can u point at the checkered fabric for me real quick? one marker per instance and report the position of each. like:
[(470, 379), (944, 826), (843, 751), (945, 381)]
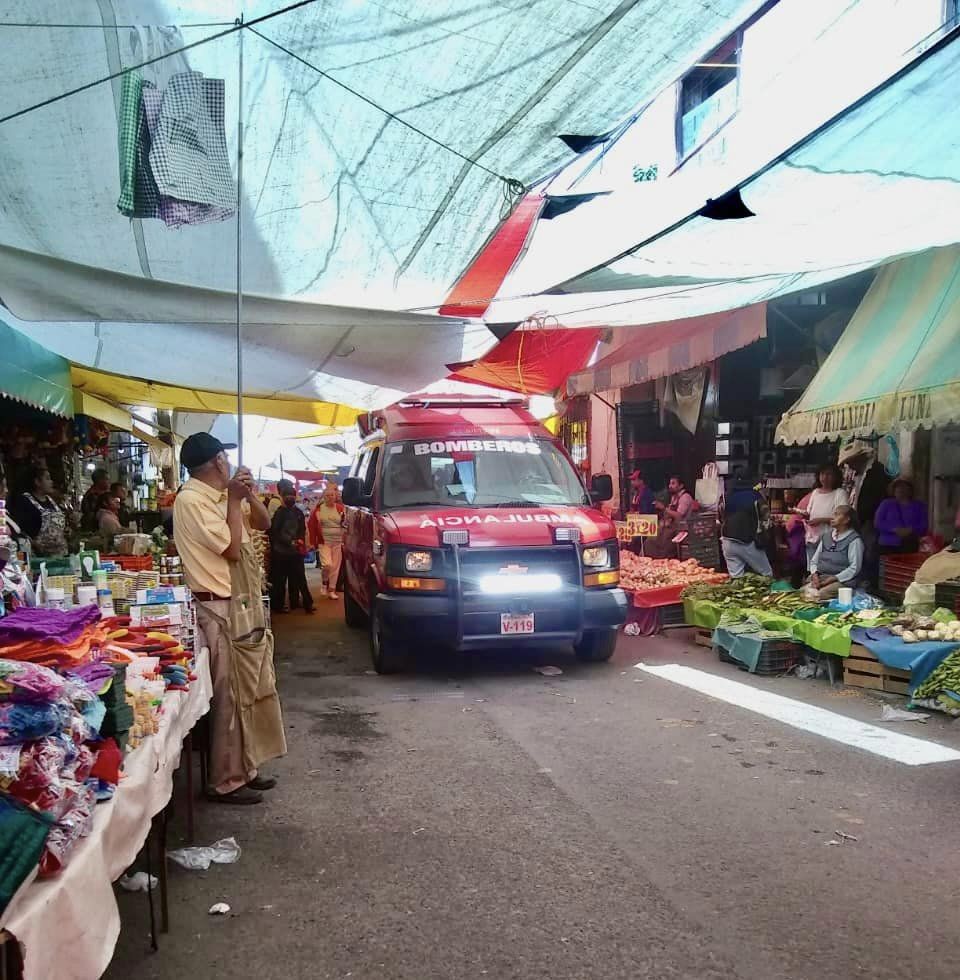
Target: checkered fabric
[(171, 210), (189, 153), (128, 129), (138, 190)]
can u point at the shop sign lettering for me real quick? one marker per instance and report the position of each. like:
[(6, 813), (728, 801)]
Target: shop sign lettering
[(643, 174), (515, 518), (846, 417), (518, 446), (915, 407)]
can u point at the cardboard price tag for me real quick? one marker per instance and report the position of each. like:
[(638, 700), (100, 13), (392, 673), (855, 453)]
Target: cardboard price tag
[(643, 525)]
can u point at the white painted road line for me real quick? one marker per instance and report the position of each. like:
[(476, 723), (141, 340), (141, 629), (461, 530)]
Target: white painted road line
[(839, 728)]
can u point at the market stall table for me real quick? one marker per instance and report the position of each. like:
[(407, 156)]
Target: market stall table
[(68, 925)]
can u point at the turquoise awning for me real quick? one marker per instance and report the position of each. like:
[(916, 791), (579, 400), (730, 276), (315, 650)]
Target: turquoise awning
[(897, 364), (31, 374)]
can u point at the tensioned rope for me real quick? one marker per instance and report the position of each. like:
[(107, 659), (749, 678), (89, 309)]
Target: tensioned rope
[(512, 188)]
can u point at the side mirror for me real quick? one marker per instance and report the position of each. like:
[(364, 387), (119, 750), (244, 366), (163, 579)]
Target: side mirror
[(601, 487), (352, 492)]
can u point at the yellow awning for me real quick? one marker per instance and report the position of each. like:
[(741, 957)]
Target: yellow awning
[(84, 403), (136, 391)]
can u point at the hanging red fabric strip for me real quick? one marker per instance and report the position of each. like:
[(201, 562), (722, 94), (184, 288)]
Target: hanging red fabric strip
[(477, 286)]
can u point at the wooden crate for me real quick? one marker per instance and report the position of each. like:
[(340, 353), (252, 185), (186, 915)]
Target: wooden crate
[(862, 669), (703, 637)]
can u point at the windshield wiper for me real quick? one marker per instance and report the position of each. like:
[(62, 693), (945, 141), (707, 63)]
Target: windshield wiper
[(515, 503), (420, 503)]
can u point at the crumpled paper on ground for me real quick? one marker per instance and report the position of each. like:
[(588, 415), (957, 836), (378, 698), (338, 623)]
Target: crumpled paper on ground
[(226, 851)]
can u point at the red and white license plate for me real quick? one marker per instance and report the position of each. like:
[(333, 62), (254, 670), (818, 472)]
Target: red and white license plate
[(513, 624)]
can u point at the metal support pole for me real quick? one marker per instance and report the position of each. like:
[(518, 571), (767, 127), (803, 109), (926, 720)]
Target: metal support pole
[(240, 244)]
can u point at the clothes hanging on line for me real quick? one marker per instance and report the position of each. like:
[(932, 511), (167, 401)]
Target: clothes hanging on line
[(173, 151)]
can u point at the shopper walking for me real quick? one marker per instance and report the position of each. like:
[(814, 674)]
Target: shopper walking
[(288, 533), (745, 530), (326, 535), (210, 520)]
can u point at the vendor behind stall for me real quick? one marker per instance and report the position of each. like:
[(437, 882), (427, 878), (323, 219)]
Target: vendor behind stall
[(90, 503), (681, 503), (119, 491), (819, 506), (641, 496), (39, 517), (900, 521), (838, 560), (108, 515)]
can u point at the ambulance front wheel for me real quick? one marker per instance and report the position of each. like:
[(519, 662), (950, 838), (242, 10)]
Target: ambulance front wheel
[(596, 645), (386, 650)]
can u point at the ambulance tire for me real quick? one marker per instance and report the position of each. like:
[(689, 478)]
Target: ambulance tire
[(596, 646), (353, 614), (386, 650)]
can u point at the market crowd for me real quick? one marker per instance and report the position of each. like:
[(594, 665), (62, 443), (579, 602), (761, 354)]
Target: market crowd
[(829, 538)]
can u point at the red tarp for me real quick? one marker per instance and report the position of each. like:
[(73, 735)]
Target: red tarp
[(535, 362), (657, 350), (475, 289)]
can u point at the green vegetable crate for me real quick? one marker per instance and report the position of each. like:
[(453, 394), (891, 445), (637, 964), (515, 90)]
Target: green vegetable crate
[(777, 656)]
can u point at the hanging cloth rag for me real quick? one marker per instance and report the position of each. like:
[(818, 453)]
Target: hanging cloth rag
[(171, 210), (138, 190), (188, 155), (253, 679)]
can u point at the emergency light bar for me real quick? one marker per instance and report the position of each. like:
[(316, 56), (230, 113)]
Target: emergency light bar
[(566, 534), (456, 537)]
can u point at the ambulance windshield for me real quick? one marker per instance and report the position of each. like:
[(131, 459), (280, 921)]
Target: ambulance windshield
[(479, 472)]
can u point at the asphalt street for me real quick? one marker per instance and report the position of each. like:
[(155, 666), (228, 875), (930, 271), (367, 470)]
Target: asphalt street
[(483, 820)]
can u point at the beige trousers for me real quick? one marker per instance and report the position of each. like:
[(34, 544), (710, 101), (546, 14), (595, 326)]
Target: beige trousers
[(227, 771)]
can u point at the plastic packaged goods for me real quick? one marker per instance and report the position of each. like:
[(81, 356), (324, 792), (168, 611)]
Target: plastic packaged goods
[(26, 722), (20, 681)]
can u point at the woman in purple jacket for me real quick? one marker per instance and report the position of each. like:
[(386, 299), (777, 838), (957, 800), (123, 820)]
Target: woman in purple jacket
[(900, 520)]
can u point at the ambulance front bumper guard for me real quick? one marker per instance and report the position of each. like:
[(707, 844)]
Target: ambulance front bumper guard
[(466, 618)]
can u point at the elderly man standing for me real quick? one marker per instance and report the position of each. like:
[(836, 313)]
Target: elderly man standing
[(209, 521)]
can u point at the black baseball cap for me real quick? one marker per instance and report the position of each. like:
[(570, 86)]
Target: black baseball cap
[(200, 448)]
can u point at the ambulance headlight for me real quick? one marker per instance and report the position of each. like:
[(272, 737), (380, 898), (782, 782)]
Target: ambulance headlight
[(418, 561), (596, 556)]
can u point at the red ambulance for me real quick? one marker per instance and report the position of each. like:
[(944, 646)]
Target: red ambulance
[(468, 527)]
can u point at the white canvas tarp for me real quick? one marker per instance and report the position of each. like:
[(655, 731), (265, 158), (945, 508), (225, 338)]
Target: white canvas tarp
[(880, 181), (342, 204)]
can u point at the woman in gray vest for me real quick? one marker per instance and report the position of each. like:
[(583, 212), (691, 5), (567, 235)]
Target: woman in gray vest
[(838, 560)]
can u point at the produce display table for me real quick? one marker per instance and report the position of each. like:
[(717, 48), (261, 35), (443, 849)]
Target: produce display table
[(668, 595), (822, 637), (68, 925), (919, 659)]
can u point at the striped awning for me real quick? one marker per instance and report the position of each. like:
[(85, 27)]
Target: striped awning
[(657, 350), (897, 365), (31, 374)]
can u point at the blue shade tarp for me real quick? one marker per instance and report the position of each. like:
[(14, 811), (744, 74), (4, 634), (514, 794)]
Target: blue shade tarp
[(31, 374)]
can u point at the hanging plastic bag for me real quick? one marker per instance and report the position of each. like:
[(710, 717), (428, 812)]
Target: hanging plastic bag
[(709, 489), (920, 599)]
